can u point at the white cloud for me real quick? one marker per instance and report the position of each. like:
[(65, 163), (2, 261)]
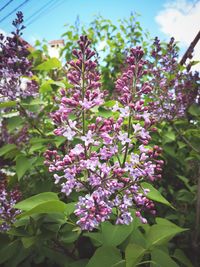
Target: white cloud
[(181, 20)]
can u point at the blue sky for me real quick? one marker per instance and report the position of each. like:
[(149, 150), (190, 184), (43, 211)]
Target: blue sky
[(50, 25), (162, 18)]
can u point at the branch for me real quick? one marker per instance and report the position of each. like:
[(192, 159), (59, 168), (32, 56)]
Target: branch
[(189, 51), (184, 139)]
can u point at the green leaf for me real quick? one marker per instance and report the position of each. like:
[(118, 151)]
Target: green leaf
[(22, 165), (181, 144), (162, 232), (110, 235), (70, 207), (134, 254), (186, 181), (155, 195), (162, 259), (29, 241), (55, 256), (19, 257), (7, 148), (163, 221), (105, 113), (46, 207), (69, 237), (194, 110), (4, 239), (58, 140), (185, 196), (46, 86), (34, 201), (33, 102), (104, 256), (36, 140), (8, 251), (169, 137), (113, 235), (96, 238), (8, 104), (52, 63), (138, 238), (180, 256), (121, 263), (14, 122), (109, 103)]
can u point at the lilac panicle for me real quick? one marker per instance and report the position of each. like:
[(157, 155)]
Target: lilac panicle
[(174, 89), (85, 91), (109, 159), (7, 201), (15, 68)]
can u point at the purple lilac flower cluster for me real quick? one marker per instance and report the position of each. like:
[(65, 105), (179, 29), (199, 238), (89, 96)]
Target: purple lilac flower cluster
[(105, 158), (18, 137), (15, 68), (7, 201), (85, 93), (174, 89)]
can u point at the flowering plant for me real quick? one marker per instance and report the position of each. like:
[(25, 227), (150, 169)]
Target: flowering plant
[(8, 199), (103, 151), (106, 158), (15, 67), (175, 88)]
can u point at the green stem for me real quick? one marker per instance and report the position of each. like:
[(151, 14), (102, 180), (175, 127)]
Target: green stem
[(129, 119), (127, 144), (184, 138), (83, 95), (83, 91)]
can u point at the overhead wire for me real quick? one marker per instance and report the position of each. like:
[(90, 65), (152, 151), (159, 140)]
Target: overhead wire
[(39, 10), (193, 6), (2, 8), (46, 11), (14, 10)]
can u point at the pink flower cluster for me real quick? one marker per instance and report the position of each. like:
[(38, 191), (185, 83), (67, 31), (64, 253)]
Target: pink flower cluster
[(106, 158)]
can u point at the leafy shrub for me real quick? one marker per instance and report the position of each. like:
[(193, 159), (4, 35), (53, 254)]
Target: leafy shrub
[(85, 152)]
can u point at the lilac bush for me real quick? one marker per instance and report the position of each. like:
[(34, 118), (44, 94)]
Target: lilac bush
[(105, 160), (175, 89), (15, 68), (106, 157)]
